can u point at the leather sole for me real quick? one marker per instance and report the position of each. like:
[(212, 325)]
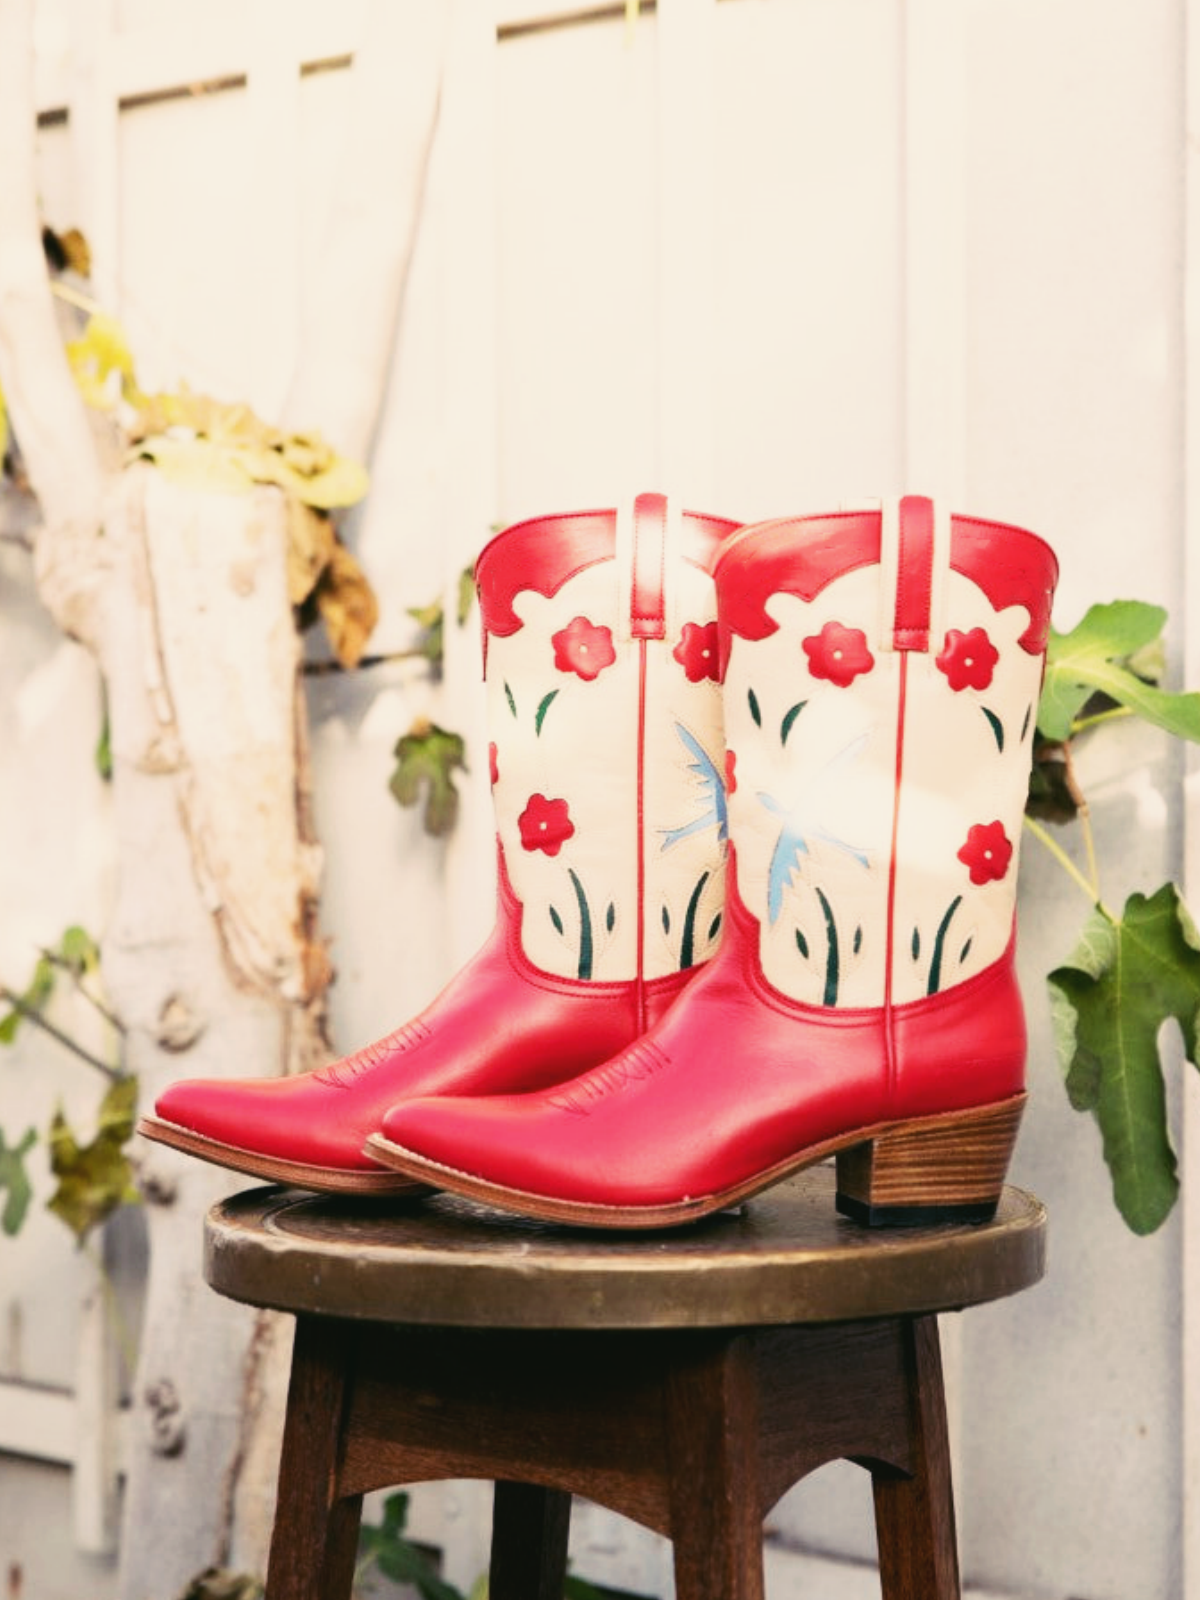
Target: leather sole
[(920, 1171), (277, 1169)]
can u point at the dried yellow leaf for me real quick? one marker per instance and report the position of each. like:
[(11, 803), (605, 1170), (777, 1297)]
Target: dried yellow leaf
[(77, 251), (310, 547), (347, 605)]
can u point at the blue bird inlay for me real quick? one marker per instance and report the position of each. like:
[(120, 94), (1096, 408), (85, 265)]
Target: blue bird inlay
[(712, 787)]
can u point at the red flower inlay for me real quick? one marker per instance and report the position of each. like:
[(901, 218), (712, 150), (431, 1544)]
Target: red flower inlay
[(493, 765), (730, 772), (584, 648), (545, 824), (987, 852), (967, 659), (838, 653), (697, 652)]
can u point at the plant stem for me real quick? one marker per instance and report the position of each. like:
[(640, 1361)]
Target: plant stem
[(1082, 724), (94, 1001), (82, 302), (318, 669), (31, 1014), (1068, 866), (1089, 845)]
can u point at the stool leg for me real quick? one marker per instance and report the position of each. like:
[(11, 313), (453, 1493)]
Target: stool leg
[(712, 1445), (529, 1542), (914, 1514), (315, 1538)]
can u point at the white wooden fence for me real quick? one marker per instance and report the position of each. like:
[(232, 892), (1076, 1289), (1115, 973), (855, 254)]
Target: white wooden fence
[(776, 251)]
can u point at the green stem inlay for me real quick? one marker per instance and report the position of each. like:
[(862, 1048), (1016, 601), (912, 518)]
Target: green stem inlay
[(687, 950), (935, 966), (832, 966), (585, 927)]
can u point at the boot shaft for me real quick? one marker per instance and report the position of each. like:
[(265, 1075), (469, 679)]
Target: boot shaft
[(881, 678), (606, 757)]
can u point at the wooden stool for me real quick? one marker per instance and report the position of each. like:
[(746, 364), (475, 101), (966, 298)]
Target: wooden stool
[(684, 1379)]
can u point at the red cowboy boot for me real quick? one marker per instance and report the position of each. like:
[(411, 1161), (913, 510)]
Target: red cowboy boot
[(881, 677), (600, 645)]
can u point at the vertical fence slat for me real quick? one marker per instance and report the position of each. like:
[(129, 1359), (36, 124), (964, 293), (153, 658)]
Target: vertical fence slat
[(1189, 1377), (686, 300), (935, 277), (273, 144), (95, 143)]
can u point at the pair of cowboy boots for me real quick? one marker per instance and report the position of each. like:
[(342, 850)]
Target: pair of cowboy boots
[(758, 794)]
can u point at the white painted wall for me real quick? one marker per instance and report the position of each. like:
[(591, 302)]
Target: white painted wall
[(782, 252)]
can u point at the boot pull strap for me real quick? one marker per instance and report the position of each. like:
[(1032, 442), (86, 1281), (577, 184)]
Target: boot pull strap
[(915, 557), (649, 544)]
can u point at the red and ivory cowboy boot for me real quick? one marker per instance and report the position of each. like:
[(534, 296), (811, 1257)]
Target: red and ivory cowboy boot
[(600, 659), (881, 677)]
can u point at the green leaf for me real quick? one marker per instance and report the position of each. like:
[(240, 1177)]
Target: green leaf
[(432, 621), (102, 755), (78, 951), (35, 998), (15, 1179), (426, 760), (577, 1589), (94, 1179), (1109, 1000), (398, 1558), (1095, 657), (466, 593)]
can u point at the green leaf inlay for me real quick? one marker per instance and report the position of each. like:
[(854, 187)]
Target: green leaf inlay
[(542, 710), (786, 726)]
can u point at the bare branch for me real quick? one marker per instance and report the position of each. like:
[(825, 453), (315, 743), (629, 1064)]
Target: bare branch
[(47, 413), (32, 1014)]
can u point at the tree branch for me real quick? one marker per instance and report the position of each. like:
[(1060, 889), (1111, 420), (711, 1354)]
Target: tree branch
[(32, 1014), (47, 413)]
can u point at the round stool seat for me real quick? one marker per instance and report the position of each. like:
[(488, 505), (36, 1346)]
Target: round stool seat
[(786, 1257)]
